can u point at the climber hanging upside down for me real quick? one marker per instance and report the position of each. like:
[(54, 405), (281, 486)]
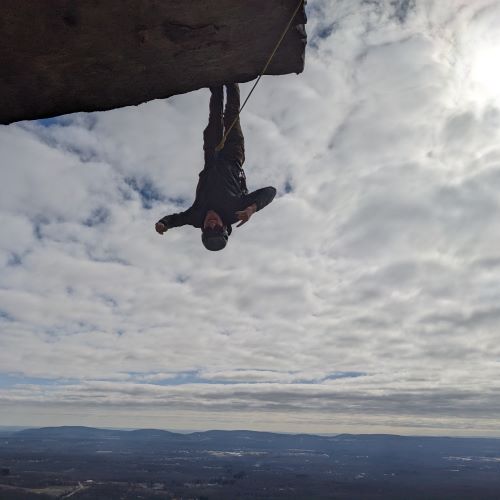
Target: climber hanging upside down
[(222, 196)]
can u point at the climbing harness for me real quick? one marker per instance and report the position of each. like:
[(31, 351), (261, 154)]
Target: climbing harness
[(223, 141)]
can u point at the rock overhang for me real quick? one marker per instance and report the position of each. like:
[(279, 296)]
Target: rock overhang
[(61, 56)]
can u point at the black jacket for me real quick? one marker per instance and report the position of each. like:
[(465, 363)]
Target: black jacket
[(222, 188)]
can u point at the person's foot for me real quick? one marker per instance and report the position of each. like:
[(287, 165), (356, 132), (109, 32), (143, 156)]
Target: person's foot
[(217, 89), (233, 87), (232, 103)]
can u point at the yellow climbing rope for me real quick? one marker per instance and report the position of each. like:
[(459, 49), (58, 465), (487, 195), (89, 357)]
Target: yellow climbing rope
[(223, 141)]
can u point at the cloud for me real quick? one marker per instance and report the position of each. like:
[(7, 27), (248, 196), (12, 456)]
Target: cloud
[(364, 297)]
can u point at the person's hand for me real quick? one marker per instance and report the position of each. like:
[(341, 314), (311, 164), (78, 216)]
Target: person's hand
[(244, 215), (161, 228)]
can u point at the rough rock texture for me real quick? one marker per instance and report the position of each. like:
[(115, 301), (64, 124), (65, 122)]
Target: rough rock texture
[(63, 56)]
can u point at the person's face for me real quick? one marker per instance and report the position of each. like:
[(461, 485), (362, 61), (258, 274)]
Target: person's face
[(212, 220)]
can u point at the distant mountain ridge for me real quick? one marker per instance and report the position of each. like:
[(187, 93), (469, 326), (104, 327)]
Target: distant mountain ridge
[(81, 432), (243, 438)]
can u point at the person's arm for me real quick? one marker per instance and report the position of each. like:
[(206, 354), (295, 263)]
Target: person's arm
[(187, 217), (175, 220), (256, 201)]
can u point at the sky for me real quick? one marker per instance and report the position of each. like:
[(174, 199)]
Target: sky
[(364, 299)]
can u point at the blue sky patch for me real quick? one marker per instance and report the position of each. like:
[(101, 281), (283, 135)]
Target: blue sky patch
[(193, 377), (9, 380), (14, 260), (337, 375), (98, 216), (49, 122), (402, 9), (5, 316), (189, 377), (147, 191), (178, 202)]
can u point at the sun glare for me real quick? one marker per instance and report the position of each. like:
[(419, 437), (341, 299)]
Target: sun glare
[(485, 70), (482, 45)]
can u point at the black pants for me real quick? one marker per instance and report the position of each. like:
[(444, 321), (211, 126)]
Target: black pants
[(234, 147)]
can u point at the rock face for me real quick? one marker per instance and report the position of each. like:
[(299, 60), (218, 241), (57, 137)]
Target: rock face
[(64, 56)]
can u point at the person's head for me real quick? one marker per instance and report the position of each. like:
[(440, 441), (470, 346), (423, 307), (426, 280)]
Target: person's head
[(214, 233)]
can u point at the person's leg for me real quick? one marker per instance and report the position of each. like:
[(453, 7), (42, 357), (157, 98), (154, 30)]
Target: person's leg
[(234, 148), (213, 133)]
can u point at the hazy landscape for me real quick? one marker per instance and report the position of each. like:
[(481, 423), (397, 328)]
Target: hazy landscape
[(81, 462)]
